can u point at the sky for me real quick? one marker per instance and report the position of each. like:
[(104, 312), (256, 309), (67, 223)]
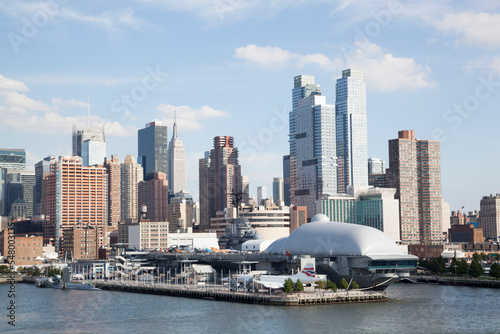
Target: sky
[(227, 66)]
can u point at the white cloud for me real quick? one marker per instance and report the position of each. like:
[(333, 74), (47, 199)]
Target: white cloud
[(18, 111), (472, 29), (383, 70), (60, 103), (9, 84), (275, 57), (189, 119)]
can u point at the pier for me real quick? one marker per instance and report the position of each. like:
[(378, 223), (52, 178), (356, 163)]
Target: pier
[(223, 294)]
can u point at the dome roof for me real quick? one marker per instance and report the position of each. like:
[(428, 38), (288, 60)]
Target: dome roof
[(322, 238), (320, 218)]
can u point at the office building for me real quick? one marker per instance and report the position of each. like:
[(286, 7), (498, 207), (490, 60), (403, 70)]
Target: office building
[(376, 166), (94, 134), (203, 167), (13, 158), (220, 179), (415, 171), (261, 194), (131, 175), (176, 164), (153, 192), (298, 217), (153, 148), (489, 217), (181, 212), (73, 194), (374, 207), (93, 152), (278, 191), (245, 189), (351, 130), (313, 167), (80, 242), (42, 168), (286, 179), (113, 170), (303, 86), (19, 185)]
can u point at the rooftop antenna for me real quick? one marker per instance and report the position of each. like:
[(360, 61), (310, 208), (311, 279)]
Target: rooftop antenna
[(88, 110)]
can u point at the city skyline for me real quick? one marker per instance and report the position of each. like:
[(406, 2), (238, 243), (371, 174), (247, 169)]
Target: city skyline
[(439, 85)]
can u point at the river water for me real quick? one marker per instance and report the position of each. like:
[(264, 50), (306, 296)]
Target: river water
[(412, 308)]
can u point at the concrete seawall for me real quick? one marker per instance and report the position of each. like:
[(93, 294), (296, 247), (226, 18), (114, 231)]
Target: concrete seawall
[(457, 281), (280, 299)]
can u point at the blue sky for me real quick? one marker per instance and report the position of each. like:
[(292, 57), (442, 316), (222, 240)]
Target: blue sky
[(227, 67)]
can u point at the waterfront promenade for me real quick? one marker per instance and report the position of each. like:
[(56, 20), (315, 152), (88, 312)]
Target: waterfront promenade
[(217, 292)]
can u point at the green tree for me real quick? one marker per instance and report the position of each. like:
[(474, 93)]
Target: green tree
[(329, 284), (476, 257), (288, 286), (495, 270), (463, 267), (343, 284), (441, 265), (334, 287), (298, 286), (454, 266), (321, 285), (475, 269), (4, 269), (484, 257), (354, 285)]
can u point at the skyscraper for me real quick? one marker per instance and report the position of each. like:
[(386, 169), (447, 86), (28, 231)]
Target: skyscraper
[(351, 129), (131, 176), (19, 185), (489, 217), (223, 173), (42, 168), (203, 179), (286, 179), (153, 148), (376, 166), (313, 167), (93, 152), (415, 171), (181, 212), (278, 191), (245, 188), (113, 171), (96, 134), (261, 194), (176, 164), (153, 192), (13, 158), (71, 193)]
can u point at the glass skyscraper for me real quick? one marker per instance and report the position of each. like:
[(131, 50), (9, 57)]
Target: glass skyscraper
[(351, 129), (153, 148), (313, 167)]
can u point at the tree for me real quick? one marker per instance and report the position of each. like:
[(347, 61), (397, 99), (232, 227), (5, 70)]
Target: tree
[(343, 284), (354, 285), (484, 257), (495, 270), (334, 287), (288, 286), (321, 285), (475, 269), (298, 286), (476, 257), (453, 266), (463, 267), (329, 284), (441, 265), (4, 270)]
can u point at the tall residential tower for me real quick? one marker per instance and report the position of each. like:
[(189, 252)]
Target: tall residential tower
[(351, 130)]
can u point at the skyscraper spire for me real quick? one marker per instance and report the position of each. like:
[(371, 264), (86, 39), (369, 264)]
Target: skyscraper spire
[(174, 135)]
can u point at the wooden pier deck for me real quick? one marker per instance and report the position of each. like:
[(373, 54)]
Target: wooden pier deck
[(222, 294)]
